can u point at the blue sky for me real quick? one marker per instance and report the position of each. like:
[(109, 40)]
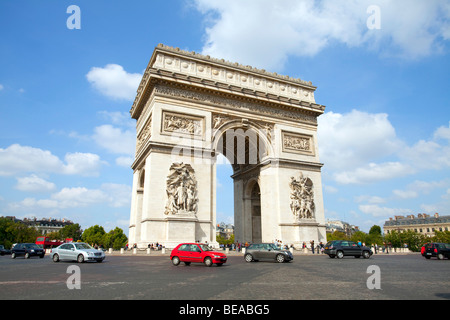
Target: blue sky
[(67, 141)]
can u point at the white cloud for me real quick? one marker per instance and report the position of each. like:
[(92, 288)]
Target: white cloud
[(124, 161), (1, 87), (360, 147), (85, 164), (378, 211), (374, 172), (263, 33), (418, 187), (370, 199), (115, 139), (442, 133), (405, 194), (114, 82), (350, 140), (122, 119), (17, 159), (111, 194), (34, 183)]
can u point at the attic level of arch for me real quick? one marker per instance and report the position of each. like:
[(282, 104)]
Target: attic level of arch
[(184, 87)]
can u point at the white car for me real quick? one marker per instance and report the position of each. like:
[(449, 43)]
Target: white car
[(78, 251)]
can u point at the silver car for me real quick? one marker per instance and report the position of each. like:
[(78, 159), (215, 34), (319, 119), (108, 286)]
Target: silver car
[(78, 251), (267, 251)]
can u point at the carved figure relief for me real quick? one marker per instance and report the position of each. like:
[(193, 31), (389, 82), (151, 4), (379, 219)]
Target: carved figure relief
[(177, 123), (298, 143), (181, 189), (302, 197), (144, 135)]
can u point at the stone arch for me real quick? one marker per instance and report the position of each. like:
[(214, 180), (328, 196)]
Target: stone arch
[(257, 142), (192, 102)]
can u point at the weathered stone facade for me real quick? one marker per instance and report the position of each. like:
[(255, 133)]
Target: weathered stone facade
[(189, 109)]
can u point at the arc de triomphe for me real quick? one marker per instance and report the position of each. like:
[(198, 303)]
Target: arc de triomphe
[(191, 108)]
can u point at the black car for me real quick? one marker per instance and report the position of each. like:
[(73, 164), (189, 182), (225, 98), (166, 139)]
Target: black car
[(267, 251), (341, 248), (27, 250), (4, 251), (436, 249)]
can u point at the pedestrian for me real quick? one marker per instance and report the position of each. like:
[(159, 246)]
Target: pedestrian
[(312, 246)]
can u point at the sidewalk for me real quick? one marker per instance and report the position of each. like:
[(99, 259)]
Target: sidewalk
[(301, 252)]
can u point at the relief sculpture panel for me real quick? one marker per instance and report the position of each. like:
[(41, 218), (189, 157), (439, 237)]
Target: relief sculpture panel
[(182, 124), (181, 189), (298, 143), (302, 198)]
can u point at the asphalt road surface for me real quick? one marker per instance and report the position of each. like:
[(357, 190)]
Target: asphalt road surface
[(308, 277)]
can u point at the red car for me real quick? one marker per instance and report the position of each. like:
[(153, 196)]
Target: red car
[(196, 252)]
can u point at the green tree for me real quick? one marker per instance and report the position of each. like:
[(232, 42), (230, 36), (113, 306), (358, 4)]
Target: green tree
[(441, 236), (360, 236), (115, 239), (6, 235), (394, 238), (93, 235), (336, 235), (71, 231), (375, 230)]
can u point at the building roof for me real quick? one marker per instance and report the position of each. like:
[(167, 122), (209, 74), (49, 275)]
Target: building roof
[(420, 219)]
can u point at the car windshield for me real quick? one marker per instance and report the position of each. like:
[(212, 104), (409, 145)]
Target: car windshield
[(273, 246), (205, 247), (82, 246), (31, 246)]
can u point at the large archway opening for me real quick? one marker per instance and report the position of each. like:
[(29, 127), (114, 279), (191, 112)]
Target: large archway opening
[(240, 151)]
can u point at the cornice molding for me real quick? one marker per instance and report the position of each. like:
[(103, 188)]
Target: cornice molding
[(194, 69)]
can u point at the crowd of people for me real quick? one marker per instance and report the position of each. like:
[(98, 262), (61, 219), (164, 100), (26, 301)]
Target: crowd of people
[(151, 246)]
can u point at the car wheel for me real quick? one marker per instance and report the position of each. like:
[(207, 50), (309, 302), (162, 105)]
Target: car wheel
[(440, 256), (13, 255), (339, 254), (80, 258), (208, 262), (366, 255), (248, 257), (280, 258), (27, 255), (55, 257), (175, 261)]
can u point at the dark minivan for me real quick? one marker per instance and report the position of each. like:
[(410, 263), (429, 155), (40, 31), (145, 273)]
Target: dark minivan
[(27, 250), (434, 249), (341, 248)]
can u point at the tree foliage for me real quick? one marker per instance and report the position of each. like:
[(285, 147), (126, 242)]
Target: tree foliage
[(16, 232), (115, 239), (93, 235)]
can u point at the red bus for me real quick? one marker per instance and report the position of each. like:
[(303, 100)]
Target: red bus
[(46, 243)]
